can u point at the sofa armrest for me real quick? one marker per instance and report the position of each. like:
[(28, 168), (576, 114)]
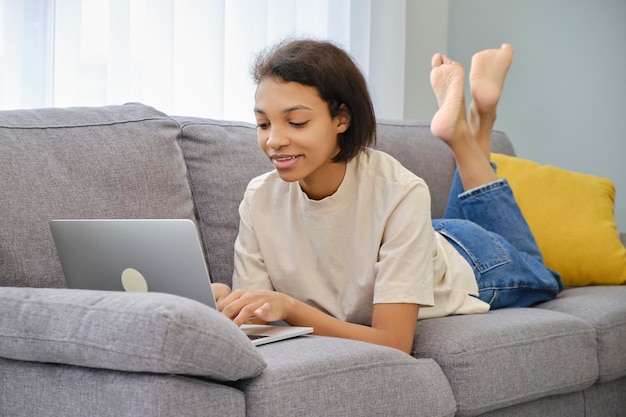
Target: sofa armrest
[(137, 332)]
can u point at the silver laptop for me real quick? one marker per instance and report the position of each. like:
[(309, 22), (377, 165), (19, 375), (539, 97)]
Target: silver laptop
[(162, 255)]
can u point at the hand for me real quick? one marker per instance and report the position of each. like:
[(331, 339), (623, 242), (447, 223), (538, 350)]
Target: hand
[(220, 291), (242, 305)]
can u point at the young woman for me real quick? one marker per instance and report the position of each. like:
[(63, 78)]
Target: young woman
[(339, 236)]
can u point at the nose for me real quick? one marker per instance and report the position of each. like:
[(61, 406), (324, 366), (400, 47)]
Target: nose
[(276, 139)]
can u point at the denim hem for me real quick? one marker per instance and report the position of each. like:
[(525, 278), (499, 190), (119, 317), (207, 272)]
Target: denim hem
[(483, 189)]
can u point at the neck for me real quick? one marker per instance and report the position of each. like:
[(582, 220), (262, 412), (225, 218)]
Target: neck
[(320, 187)]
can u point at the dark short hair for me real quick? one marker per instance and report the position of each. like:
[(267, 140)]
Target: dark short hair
[(336, 77)]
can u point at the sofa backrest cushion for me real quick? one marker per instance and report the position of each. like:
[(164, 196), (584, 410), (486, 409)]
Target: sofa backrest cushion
[(222, 157), (100, 162), (413, 144)]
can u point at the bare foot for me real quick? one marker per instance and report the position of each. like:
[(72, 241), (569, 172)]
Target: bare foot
[(487, 75), (450, 123), (447, 79)]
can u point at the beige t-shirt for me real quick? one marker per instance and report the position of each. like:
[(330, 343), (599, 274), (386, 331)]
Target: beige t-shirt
[(371, 242)]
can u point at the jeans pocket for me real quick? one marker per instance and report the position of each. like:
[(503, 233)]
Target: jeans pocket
[(481, 248)]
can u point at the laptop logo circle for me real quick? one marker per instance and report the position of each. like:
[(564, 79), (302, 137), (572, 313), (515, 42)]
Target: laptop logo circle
[(133, 281)]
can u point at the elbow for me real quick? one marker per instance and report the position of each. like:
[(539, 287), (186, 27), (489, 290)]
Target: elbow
[(406, 347)]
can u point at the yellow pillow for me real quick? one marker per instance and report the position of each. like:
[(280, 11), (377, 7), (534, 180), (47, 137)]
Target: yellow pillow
[(572, 218)]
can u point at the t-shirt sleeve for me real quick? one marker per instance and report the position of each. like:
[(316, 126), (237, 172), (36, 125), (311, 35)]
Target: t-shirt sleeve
[(249, 267), (404, 270)]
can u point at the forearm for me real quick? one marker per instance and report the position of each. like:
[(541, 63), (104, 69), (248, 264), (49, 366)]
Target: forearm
[(393, 324), (302, 314)]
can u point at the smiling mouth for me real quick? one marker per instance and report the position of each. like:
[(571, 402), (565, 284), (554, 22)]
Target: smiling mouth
[(284, 161), (283, 158)]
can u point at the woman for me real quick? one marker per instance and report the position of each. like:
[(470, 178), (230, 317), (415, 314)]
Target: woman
[(339, 236)]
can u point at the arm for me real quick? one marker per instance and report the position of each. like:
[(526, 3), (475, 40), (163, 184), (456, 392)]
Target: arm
[(393, 324)]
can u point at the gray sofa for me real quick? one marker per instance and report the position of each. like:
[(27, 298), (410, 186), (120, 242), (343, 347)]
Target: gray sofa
[(90, 353)]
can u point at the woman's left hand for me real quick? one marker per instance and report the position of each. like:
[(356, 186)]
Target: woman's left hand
[(242, 305), (220, 291)]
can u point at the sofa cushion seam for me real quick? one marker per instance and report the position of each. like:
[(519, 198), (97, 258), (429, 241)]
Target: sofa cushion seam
[(359, 367), (526, 342), (96, 124)]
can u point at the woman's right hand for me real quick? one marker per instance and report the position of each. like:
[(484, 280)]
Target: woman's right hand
[(248, 306)]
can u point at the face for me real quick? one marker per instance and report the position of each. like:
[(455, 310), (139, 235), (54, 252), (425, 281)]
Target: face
[(298, 134)]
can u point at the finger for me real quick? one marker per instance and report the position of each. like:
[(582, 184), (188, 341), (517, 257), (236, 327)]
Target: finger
[(247, 312), (220, 290), (231, 309), (231, 298), (264, 312)]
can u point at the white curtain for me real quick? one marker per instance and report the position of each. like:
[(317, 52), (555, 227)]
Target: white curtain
[(185, 57)]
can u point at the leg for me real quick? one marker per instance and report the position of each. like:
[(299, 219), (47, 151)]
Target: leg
[(499, 212), (487, 75), (451, 126), (494, 208), (506, 277), (453, 207), (496, 241)]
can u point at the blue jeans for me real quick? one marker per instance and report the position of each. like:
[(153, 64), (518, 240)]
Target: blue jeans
[(486, 226)]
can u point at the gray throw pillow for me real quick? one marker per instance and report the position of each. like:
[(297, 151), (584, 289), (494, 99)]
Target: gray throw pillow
[(136, 332)]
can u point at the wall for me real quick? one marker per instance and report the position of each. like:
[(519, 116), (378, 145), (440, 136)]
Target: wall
[(565, 97), (426, 33)]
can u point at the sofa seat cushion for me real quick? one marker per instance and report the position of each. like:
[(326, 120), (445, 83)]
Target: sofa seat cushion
[(604, 308), (323, 376), (137, 332), (91, 162), (30, 389), (606, 399), (509, 356)]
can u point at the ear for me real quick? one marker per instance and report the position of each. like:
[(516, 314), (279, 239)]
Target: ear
[(343, 119)]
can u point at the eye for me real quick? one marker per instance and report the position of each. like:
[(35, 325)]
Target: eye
[(295, 124), (262, 126)]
